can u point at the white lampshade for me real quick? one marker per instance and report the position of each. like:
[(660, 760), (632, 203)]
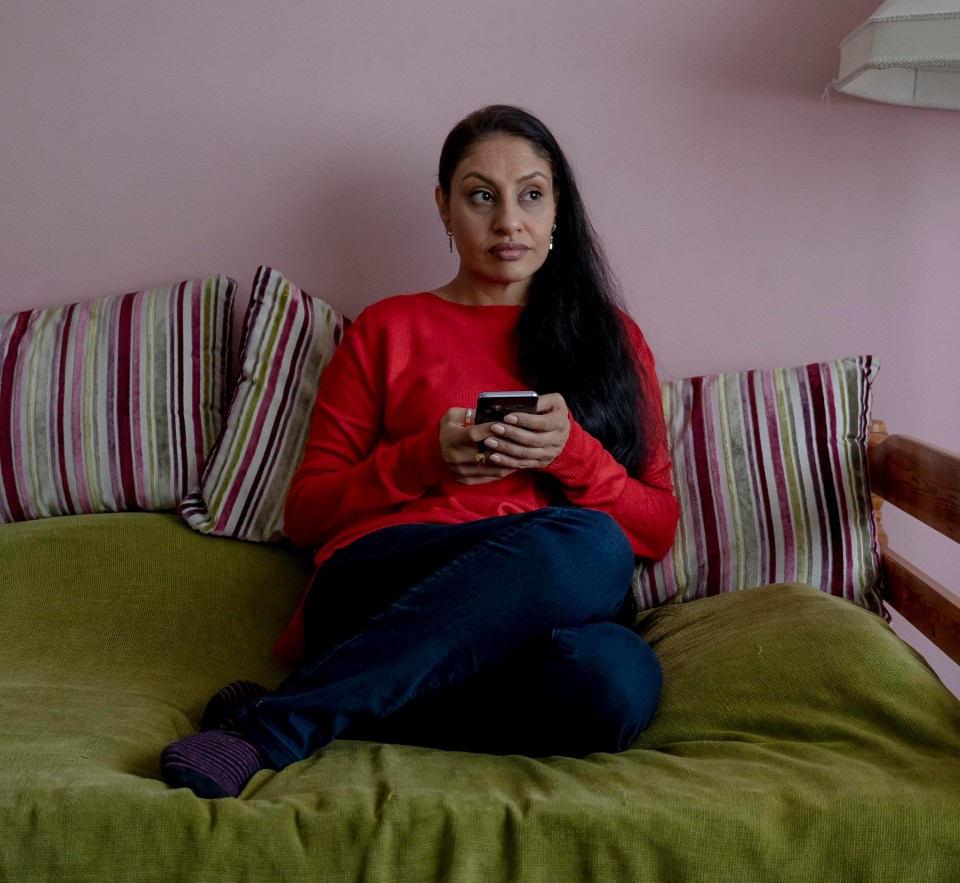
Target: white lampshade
[(907, 52)]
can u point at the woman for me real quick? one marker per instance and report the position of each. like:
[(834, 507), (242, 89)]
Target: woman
[(469, 575)]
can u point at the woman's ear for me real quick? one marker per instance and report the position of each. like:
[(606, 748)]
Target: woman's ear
[(443, 206)]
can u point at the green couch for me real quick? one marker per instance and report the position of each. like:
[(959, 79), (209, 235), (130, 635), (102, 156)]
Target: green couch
[(798, 739)]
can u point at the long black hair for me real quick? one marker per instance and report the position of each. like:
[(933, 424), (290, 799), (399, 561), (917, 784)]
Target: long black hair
[(570, 337)]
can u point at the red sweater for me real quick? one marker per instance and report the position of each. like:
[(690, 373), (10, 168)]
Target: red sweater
[(373, 458)]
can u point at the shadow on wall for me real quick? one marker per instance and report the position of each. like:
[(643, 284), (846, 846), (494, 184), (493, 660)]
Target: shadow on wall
[(775, 47)]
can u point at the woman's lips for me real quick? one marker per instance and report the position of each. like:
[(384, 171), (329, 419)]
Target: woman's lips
[(509, 251)]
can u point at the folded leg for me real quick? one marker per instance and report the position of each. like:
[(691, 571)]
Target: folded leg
[(510, 581), (573, 692)]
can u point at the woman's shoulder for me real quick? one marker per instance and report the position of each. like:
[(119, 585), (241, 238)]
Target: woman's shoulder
[(395, 306), (390, 314)]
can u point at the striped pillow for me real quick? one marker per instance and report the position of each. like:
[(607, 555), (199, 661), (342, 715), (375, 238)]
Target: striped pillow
[(112, 405), (288, 339), (770, 470)]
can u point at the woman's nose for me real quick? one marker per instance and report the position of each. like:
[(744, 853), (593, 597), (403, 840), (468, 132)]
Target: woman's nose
[(508, 218)]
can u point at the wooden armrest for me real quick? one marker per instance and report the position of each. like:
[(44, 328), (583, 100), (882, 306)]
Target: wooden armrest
[(932, 609), (924, 481), (919, 478)]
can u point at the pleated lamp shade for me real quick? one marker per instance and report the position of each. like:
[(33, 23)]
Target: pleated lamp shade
[(907, 52)]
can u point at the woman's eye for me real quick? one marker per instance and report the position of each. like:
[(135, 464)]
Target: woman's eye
[(481, 197), (532, 195)]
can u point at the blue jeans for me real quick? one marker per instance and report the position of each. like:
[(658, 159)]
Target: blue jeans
[(492, 635)]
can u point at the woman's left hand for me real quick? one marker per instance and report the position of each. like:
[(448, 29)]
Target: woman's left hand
[(530, 441)]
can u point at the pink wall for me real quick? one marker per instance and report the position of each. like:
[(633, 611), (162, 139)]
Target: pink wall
[(752, 223)]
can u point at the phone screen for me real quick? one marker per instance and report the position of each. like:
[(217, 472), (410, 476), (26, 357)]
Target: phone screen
[(496, 405)]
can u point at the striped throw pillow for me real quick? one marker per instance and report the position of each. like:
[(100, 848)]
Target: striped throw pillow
[(770, 470), (288, 339), (112, 405)]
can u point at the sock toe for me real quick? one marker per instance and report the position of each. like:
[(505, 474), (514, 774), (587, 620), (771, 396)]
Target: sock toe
[(217, 763)]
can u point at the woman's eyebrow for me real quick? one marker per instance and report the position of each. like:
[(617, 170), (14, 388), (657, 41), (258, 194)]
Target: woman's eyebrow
[(520, 180)]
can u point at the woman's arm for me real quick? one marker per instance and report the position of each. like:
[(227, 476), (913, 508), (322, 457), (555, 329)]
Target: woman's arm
[(644, 505), (347, 467)]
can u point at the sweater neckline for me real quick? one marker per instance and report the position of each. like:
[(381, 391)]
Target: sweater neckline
[(474, 309)]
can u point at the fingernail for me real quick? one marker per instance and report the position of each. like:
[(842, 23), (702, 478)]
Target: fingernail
[(496, 458), (498, 428), (492, 443), (511, 418)]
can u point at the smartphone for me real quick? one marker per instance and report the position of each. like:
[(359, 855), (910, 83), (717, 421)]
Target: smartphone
[(496, 405)]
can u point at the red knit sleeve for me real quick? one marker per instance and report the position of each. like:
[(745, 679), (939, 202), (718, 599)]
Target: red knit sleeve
[(347, 469), (644, 506)]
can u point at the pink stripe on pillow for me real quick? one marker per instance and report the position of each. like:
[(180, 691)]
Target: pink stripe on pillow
[(12, 505), (128, 489)]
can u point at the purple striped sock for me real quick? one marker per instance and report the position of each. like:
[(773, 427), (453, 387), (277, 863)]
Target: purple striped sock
[(220, 708), (217, 763)]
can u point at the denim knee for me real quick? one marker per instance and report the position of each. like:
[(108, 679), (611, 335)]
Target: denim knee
[(587, 560), (608, 680)]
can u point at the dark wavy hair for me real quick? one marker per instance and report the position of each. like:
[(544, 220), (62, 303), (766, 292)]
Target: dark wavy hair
[(570, 337)]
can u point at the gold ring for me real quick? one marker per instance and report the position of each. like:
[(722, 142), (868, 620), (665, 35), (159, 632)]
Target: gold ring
[(481, 458)]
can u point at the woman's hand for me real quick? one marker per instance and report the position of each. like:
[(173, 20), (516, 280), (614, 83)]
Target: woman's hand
[(529, 441), (459, 445)]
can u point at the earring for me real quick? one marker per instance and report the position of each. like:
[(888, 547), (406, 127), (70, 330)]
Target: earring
[(552, 231), (450, 240)]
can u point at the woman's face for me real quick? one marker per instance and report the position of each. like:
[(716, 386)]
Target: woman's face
[(501, 209)]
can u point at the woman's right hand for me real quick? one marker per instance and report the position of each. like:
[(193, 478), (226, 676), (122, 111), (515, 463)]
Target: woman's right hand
[(459, 439)]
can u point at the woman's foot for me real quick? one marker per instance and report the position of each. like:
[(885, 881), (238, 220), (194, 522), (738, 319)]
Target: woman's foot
[(216, 763), (219, 711)]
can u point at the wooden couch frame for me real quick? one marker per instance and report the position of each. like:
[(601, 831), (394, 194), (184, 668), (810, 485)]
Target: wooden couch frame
[(924, 481)]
